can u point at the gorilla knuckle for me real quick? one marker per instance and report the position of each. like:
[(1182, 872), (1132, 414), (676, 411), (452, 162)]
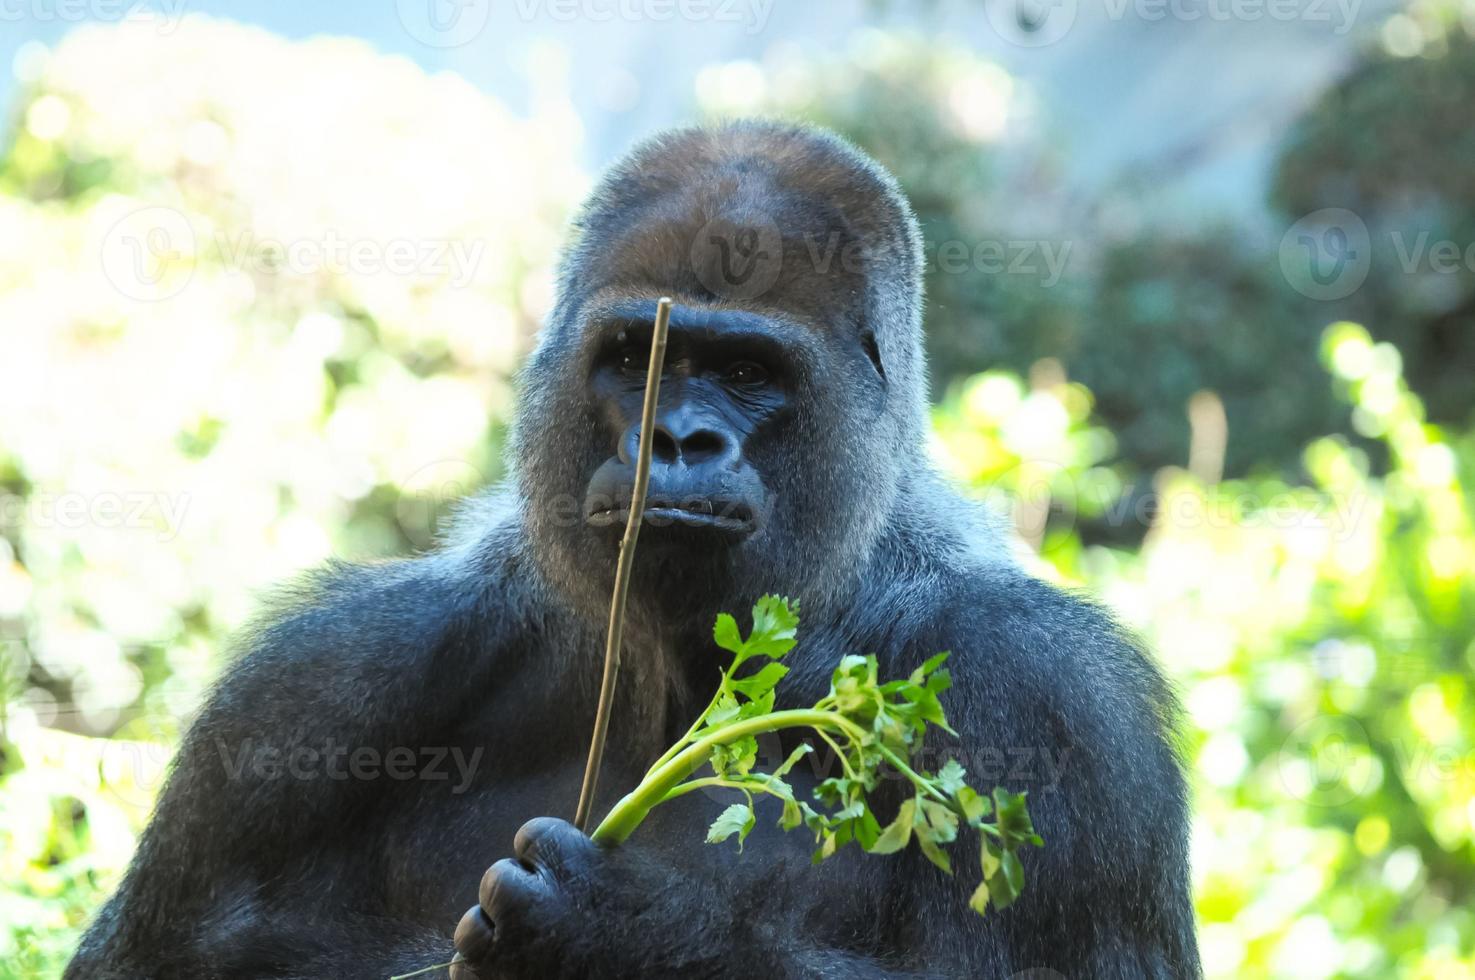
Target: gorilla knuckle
[(547, 840), (475, 934), (507, 887)]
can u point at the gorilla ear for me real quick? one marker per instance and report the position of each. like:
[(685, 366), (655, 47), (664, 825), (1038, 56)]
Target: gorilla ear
[(868, 344)]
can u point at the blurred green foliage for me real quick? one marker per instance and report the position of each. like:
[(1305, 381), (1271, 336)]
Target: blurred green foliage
[(1323, 637), (1412, 184), (232, 414)]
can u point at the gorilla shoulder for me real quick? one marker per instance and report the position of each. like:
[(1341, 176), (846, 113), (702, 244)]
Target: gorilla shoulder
[(458, 611)]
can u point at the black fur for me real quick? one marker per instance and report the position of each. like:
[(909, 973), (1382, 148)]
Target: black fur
[(493, 644)]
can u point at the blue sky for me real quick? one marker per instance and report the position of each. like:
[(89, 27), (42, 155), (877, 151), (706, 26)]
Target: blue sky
[(1126, 90)]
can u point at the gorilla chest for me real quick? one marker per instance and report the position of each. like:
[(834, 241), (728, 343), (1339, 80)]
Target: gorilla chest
[(441, 843)]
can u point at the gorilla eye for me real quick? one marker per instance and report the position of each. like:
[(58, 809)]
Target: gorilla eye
[(633, 360), (745, 373)]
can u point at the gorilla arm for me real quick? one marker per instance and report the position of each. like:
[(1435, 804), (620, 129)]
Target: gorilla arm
[(245, 870), (1071, 710)]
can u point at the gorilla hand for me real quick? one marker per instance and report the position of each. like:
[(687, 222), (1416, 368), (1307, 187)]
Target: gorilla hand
[(566, 906)]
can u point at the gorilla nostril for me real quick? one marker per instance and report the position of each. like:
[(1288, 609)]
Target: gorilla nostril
[(664, 447), (702, 445)]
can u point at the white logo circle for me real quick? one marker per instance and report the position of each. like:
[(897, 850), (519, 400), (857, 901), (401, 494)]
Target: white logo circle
[(1327, 761), (135, 760), (444, 23), (1031, 23), (149, 254), (429, 497), (1326, 255), (738, 259)]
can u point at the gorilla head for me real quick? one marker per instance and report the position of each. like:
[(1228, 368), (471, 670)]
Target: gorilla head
[(792, 405)]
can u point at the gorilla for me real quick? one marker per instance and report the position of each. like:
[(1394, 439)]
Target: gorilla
[(312, 826)]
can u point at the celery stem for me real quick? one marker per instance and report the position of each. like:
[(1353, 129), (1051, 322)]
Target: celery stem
[(631, 810)]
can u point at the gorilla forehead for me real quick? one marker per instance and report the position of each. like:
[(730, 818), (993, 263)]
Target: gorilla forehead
[(761, 215), (810, 177)]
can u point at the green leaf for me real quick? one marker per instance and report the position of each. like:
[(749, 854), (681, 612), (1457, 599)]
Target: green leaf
[(928, 666), (761, 683), (775, 625), (941, 821), (929, 708), (939, 682), (950, 778), (1005, 886), (934, 853), (975, 807), (736, 819), (725, 632), (927, 840), (833, 791), (761, 705), (978, 901), (772, 784), (803, 749), (725, 710), (825, 849), (898, 833), (1015, 826), (990, 857), (736, 758), (832, 841), (865, 827)]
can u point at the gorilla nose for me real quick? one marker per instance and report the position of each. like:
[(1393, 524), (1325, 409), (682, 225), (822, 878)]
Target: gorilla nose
[(694, 447), (674, 443)]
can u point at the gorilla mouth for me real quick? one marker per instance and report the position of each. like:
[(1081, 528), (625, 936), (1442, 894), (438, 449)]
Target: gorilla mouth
[(730, 516)]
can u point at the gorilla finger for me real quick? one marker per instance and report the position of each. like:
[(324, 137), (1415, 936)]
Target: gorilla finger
[(475, 935), (551, 843), (508, 889)]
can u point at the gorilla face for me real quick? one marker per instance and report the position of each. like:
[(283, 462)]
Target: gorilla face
[(750, 432), (791, 398), (728, 381)]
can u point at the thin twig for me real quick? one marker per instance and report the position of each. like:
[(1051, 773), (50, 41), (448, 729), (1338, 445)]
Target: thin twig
[(423, 970), (626, 559)]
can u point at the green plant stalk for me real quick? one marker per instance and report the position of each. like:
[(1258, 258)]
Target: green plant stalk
[(696, 726), (653, 789)]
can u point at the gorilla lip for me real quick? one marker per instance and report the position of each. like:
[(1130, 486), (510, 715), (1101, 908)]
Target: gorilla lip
[(718, 515)]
